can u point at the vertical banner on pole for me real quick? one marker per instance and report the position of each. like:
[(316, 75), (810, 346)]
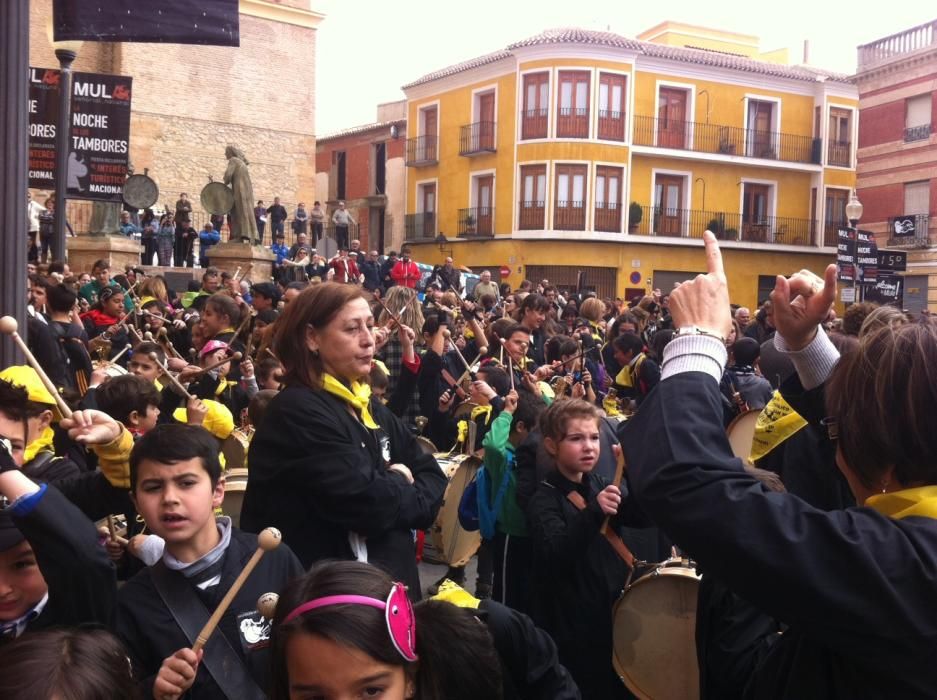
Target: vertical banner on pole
[(99, 134)]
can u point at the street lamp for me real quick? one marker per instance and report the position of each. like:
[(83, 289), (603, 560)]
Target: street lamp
[(853, 214), (66, 52)]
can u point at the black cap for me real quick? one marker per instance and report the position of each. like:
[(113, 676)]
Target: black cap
[(10, 536)]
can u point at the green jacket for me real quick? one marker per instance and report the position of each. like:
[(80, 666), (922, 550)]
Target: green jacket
[(499, 455), (91, 290)]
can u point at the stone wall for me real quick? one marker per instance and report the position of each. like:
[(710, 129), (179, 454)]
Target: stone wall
[(189, 102)]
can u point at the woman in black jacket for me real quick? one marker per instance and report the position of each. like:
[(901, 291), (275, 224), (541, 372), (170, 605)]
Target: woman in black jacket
[(336, 472)]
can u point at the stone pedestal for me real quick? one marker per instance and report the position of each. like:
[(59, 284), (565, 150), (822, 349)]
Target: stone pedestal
[(231, 256), (119, 251)]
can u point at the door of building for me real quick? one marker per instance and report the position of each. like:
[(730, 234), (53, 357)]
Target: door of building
[(483, 195), (755, 212), (429, 134), (671, 118), (915, 293), (668, 205), (429, 211), (486, 117)]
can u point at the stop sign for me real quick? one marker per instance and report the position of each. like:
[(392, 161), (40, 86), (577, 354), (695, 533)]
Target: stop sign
[(505, 271)]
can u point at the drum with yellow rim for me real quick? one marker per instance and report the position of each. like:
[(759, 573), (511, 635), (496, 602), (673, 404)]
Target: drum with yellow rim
[(741, 433), (454, 544)]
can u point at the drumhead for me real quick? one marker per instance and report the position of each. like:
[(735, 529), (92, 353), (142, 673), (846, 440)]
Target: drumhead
[(217, 198), (426, 445), (741, 432), (464, 410), (654, 635), (454, 544), (140, 191)]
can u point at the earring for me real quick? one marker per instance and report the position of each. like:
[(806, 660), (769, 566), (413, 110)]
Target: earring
[(315, 353), (885, 486)]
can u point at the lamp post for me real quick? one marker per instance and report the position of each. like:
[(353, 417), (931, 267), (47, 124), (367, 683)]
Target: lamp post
[(853, 214), (66, 52)]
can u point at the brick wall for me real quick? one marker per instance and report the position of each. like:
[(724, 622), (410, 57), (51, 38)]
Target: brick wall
[(881, 124), (189, 102)]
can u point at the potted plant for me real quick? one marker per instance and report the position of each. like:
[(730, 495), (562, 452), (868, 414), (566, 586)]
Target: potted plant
[(469, 224), (635, 214)]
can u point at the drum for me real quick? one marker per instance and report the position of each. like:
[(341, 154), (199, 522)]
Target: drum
[(217, 198), (741, 432), (654, 634), (454, 544), (140, 191), (464, 410), (110, 369), (234, 449), (234, 487), (426, 445)]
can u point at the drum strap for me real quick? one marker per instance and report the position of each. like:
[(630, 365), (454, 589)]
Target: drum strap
[(621, 549)]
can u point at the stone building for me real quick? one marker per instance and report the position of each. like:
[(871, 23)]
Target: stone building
[(364, 167), (189, 102)]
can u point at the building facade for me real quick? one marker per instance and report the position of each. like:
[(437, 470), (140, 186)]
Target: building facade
[(364, 167), (897, 153), (190, 102), (587, 152)]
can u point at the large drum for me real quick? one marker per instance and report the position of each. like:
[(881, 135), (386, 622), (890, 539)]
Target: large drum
[(741, 433), (454, 545), (654, 633), (140, 191), (217, 198), (234, 488), (234, 448)]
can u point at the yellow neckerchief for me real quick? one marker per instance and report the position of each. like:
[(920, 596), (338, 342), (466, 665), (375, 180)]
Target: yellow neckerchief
[(462, 427), (229, 329), (776, 423), (40, 444), (629, 372), (452, 592), (358, 397), (596, 331), (481, 410), (920, 501), (158, 384), (223, 385)]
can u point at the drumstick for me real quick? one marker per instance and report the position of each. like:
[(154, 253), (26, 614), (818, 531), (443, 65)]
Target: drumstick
[(171, 377), (389, 312), (511, 370), (267, 604), (619, 472), (272, 354), (163, 333), (236, 273), (116, 357), (233, 358), (9, 325), (267, 540), (481, 352), (468, 367), (111, 527)]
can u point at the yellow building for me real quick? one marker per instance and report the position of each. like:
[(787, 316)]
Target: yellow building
[(582, 151)]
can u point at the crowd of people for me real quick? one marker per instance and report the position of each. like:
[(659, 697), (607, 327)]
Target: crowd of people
[(348, 383)]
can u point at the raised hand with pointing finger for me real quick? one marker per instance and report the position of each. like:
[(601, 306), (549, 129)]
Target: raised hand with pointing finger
[(801, 302), (703, 302)]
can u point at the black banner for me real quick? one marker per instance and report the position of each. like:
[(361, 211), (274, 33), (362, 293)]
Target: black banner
[(888, 289), (207, 22), (846, 255), (867, 257), (99, 137), (904, 226)]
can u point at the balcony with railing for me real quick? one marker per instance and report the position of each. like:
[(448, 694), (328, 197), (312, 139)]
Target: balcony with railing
[(477, 138), (831, 232), (532, 215), (917, 133), (607, 217), (611, 125), (911, 231), (690, 223), (572, 123), (839, 153), (569, 216), (422, 150), (421, 226), (534, 123), (896, 46), (477, 222), (725, 140)]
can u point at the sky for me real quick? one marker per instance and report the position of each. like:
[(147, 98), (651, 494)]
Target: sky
[(367, 49)]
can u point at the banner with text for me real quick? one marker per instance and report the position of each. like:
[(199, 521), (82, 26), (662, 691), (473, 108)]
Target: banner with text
[(888, 289), (99, 135), (845, 255)]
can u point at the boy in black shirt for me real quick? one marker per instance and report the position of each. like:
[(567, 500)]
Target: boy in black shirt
[(176, 485)]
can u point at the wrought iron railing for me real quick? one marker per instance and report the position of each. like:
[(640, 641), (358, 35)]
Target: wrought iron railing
[(569, 216), (422, 150), (917, 133), (691, 223), (534, 123), (477, 222), (839, 153), (727, 140), (910, 231), (420, 227), (611, 125), (607, 217), (533, 215), (572, 122), (831, 232), (477, 138)]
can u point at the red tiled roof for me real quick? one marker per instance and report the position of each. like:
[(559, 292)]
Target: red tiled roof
[(364, 128), (572, 35)]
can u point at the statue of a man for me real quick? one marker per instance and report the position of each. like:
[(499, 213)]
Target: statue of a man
[(241, 219)]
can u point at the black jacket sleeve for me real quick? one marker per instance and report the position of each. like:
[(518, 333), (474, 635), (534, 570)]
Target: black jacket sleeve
[(560, 536), (528, 655), (81, 579)]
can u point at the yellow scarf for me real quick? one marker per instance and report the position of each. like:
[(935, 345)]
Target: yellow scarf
[(223, 385), (776, 423), (630, 372), (479, 410), (43, 442), (920, 501), (359, 397)]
